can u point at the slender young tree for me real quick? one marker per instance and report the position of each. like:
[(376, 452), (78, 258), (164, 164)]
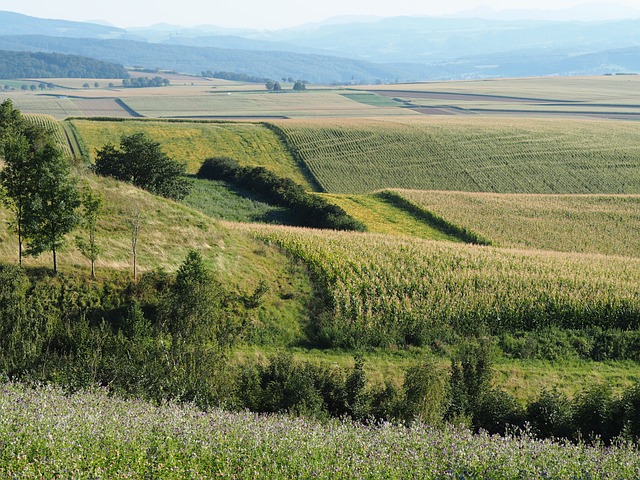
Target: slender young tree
[(134, 225), (91, 203), (51, 212)]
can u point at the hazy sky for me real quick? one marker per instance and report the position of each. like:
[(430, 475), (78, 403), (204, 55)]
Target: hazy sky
[(263, 14)]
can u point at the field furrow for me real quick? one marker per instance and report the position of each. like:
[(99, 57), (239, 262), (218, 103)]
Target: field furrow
[(518, 155)]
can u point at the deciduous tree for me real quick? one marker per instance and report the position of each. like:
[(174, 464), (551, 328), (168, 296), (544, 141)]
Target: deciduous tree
[(141, 161), (91, 205), (51, 212)]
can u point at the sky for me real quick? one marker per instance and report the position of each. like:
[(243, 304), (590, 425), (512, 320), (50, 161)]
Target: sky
[(260, 14)]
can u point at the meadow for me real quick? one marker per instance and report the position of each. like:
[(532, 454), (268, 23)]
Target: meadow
[(599, 224), (193, 142), (515, 155), (89, 434)]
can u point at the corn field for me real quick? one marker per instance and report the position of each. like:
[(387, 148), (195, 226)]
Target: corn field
[(606, 224), (384, 290), (473, 154), (50, 124)]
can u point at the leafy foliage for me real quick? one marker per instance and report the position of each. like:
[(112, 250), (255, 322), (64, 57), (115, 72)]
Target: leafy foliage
[(51, 212), (38, 185), (141, 161), (309, 210)]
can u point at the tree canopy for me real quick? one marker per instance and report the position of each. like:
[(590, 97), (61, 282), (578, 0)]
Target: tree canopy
[(56, 65), (37, 185), (141, 161)]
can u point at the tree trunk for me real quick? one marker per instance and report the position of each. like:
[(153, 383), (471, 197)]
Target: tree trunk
[(55, 260)]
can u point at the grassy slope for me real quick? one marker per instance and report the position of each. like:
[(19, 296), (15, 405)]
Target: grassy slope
[(380, 216), (514, 155), (168, 231), (192, 143), (606, 224), (221, 200)]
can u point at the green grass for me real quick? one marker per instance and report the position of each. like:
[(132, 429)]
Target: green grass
[(220, 200), (605, 224), (372, 99), (168, 231), (193, 142), (515, 155), (380, 216)]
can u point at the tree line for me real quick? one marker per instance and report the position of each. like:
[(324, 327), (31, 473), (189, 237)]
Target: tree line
[(145, 82), (56, 65)]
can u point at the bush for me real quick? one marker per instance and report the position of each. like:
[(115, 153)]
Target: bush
[(550, 415), (470, 378), (498, 413), (596, 414), (309, 210), (425, 393)]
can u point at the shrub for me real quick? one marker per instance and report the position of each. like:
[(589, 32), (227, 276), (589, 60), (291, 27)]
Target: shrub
[(497, 412), (550, 415), (309, 210)]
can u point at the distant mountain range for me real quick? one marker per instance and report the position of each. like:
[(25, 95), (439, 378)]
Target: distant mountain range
[(348, 50)]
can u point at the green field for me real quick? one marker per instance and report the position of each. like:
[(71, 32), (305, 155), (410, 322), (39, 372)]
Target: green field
[(606, 224), (193, 142), (556, 294), (390, 290), (380, 216), (475, 154)]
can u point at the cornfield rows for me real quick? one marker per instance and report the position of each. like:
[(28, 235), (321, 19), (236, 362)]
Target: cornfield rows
[(50, 124), (514, 155), (606, 224), (391, 290)]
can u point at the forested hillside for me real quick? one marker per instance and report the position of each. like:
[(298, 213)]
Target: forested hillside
[(56, 65)]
